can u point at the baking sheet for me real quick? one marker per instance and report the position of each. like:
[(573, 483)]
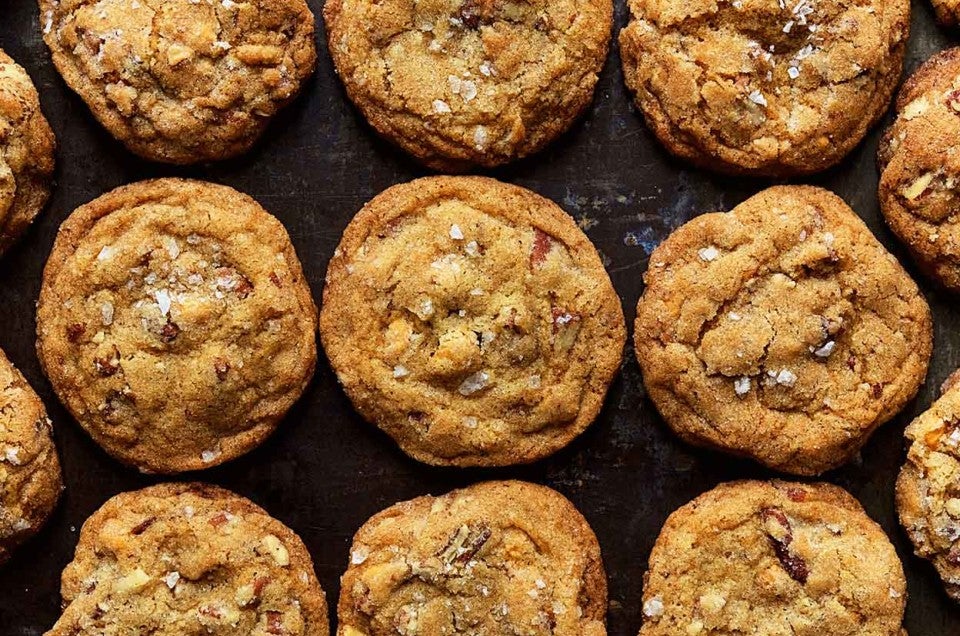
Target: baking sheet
[(326, 471)]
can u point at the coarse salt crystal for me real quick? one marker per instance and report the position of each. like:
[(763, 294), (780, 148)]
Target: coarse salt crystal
[(653, 607), (708, 254), (400, 371), (163, 301), (474, 383), (741, 386), (757, 98), (455, 232), (786, 377), (172, 579), (440, 106)]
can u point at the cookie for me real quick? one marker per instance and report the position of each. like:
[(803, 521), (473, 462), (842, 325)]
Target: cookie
[(26, 152), (947, 12), (928, 489), (490, 330), (782, 331), (466, 83), (773, 558), (30, 479), (189, 560), (919, 161), (495, 558), (175, 323), (763, 87), (182, 81)]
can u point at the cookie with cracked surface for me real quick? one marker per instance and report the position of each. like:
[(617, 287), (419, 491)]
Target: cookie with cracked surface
[(775, 558), (30, 479), (919, 161), (175, 323), (491, 328), (782, 331), (928, 488), (189, 560), (26, 152), (182, 81), (494, 558), (763, 87), (466, 83)]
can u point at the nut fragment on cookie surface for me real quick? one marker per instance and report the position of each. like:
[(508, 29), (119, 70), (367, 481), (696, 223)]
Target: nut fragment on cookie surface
[(175, 323), (178, 576), (491, 328), (464, 83), (791, 573), (791, 347), (182, 81), (500, 557)]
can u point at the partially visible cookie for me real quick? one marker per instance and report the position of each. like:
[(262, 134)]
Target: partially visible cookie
[(928, 489), (471, 320), (947, 12), (182, 81), (30, 480), (782, 331), (773, 558), (189, 560), (763, 87), (464, 83), (494, 558), (26, 152), (175, 323), (919, 160)]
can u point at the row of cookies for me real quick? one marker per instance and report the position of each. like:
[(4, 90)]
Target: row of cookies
[(493, 558), (748, 86)]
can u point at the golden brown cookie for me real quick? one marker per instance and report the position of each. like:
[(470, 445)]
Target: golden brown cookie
[(471, 320), (30, 480), (182, 81), (496, 558), (189, 560), (947, 12), (26, 152), (919, 160), (763, 87), (465, 83), (175, 323), (781, 331), (928, 489), (773, 558)]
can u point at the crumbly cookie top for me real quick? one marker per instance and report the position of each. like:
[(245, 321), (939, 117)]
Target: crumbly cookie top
[(773, 558), (782, 330), (765, 86), (928, 490), (495, 558), (26, 151), (182, 80), (920, 167), (457, 82), (189, 560), (29, 469), (490, 329), (175, 323)]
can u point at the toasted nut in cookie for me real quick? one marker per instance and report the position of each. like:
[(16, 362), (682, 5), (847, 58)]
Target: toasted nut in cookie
[(494, 558), (782, 331), (462, 83), (189, 560), (775, 557), (182, 81), (175, 323), (472, 321)]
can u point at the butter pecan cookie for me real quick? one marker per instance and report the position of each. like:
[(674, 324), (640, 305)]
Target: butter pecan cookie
[(781, 331), (773, 558), (919, 160), (763, 87), (495, 558), (26, 152), (471, 320), (462, 83), (182, 81), (30, 480), (928, 489), (189, 560), (175, 323)]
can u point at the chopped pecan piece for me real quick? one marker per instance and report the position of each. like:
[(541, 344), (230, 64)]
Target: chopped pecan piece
[(541, 247), (107, 366), (777, 527), (276, 280), (566, 326), (275, 622), (141, 527), (464, 544), (75, 331), (169, 331), (221, 366)]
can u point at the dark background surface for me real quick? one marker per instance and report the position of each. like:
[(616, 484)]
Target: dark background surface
[(325, 471)]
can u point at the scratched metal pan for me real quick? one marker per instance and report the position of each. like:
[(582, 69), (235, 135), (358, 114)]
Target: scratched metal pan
[(325, 471)]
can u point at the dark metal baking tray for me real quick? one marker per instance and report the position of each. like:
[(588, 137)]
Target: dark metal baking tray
[(326, 471)]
